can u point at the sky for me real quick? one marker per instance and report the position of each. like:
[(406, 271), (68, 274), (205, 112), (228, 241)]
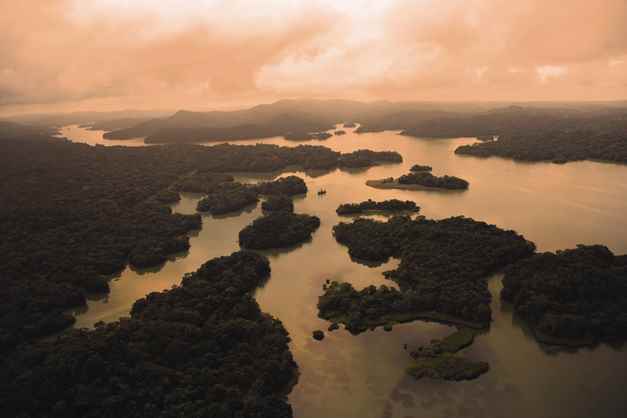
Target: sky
[(66, 55)]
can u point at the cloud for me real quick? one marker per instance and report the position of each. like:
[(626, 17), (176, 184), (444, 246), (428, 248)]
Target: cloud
[(66, 54)]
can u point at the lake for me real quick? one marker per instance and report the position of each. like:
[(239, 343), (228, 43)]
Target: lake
[(343, 376)]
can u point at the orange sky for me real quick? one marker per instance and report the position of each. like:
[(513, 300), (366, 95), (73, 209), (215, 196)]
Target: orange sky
[(61, 55)]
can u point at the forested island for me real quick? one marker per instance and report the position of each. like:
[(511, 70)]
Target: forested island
[(203, 348), (72, 215), (572, 297), (417, 167), (420, 180), (442, 274), (439, 361), (392, 205), (556, 146), (279, 229), (288, 186), (276, 203), (306, 136)]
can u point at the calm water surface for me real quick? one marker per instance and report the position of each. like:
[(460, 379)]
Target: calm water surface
[(556, 206)]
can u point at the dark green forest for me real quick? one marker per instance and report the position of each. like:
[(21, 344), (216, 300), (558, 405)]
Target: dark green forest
[(200, 349)]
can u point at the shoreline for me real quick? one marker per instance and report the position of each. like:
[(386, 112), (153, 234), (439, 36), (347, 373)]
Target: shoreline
[(382, 184)]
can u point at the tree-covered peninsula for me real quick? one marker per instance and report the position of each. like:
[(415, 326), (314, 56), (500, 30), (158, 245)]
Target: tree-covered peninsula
[(203, 348), (571, 297), (442, 275)]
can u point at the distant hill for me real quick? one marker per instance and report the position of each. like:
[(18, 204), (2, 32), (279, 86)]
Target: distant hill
[(291, 118), (57, 120), (528, 131), (518, 120)]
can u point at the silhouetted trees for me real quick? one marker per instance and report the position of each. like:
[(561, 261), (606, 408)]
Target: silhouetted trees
[(73, 214), (203, 348), (426, 179), (289, 186), (278, 230), (277, 203), (418, 167), (392, 205), (228, 197), (444, 264), (557, 146), (577, 295)]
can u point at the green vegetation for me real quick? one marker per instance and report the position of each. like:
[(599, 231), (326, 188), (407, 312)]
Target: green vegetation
[(426, 179), (202, 182), (443, 269), (437, 360), (366, 309), (278, 203), (459, 340), (365, 158), (447, 367), (392, 205), (72, 215), (306, 136), (203, 348), (547, 132), (231, 196), (278, 230), (559, 146), (418, 167), (289, 186), (228, 197), (420, 178), (571, 297)]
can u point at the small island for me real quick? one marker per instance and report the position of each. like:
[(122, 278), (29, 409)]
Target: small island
[(339, 132), (367, 158), (417, 167), (438, 360), (306, 136), (420, 180), (278, 230), (392, 205), (573, 297), (276, 203), (288, 186)]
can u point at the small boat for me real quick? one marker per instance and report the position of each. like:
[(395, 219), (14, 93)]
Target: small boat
[(321, 192)]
